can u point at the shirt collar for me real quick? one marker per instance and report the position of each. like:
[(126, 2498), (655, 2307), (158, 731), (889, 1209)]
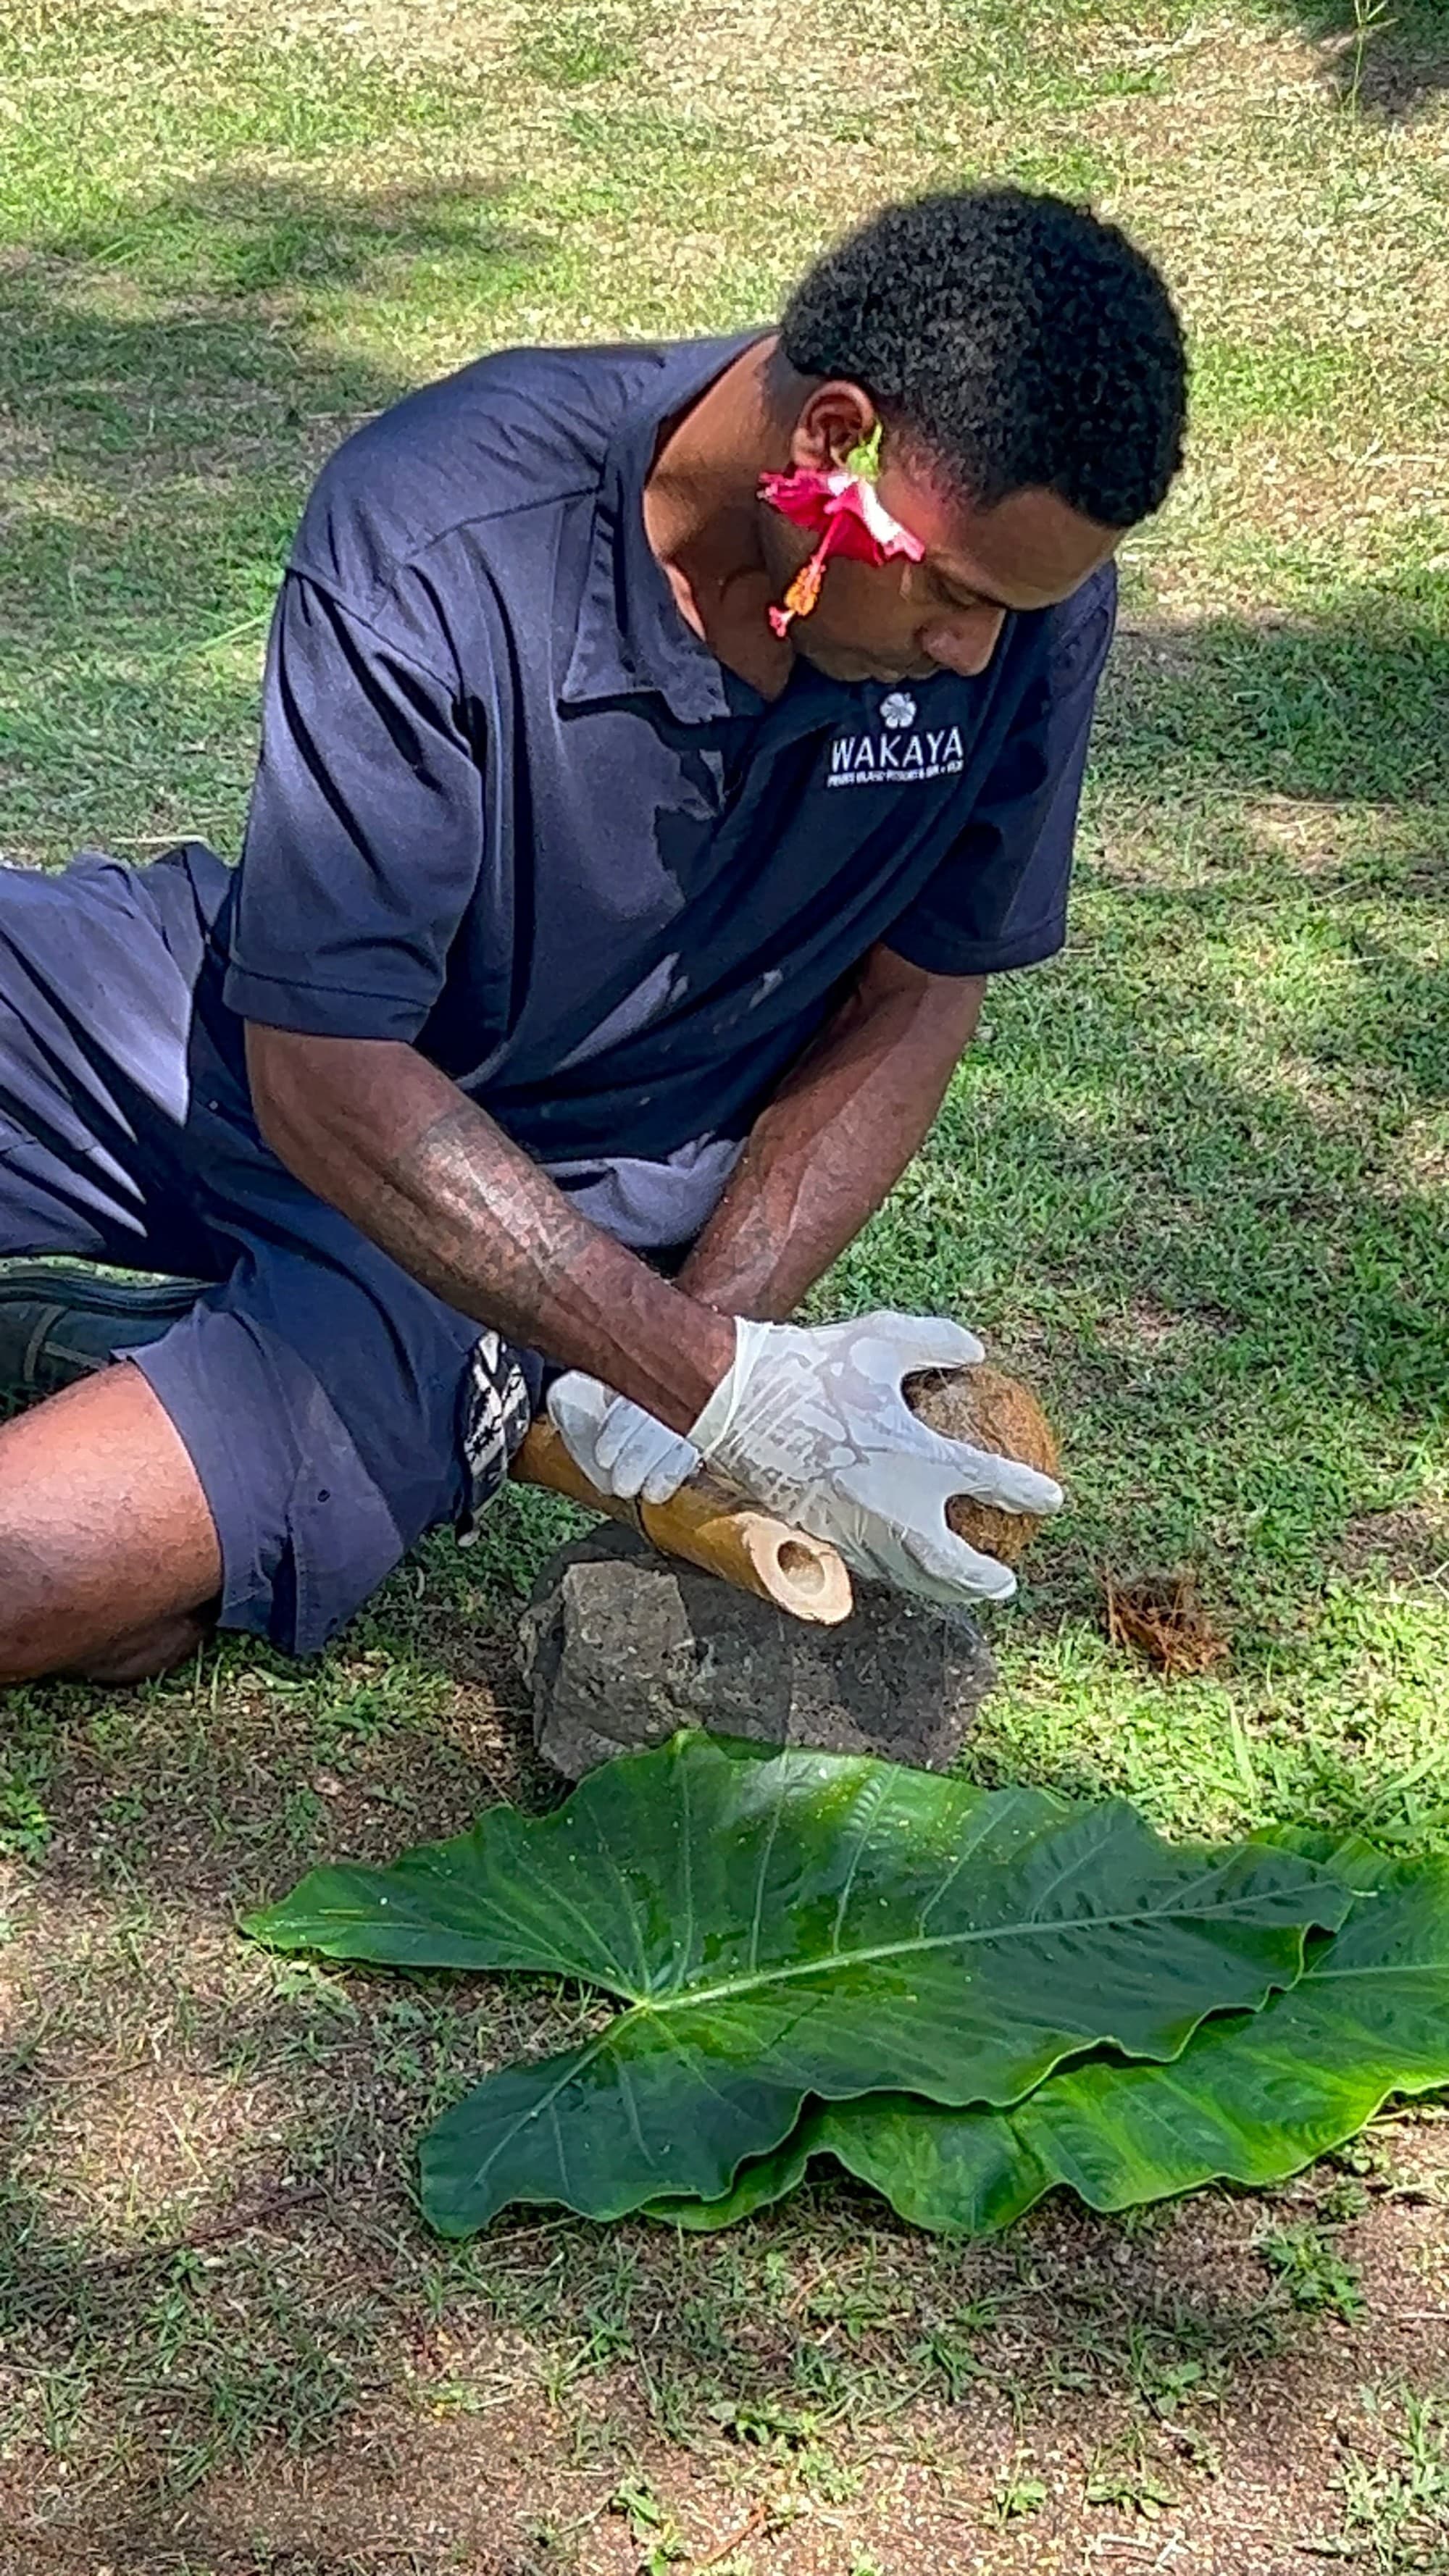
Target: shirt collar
[(631, 637)]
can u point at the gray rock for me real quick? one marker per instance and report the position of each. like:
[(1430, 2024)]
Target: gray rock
[(621, 1646)]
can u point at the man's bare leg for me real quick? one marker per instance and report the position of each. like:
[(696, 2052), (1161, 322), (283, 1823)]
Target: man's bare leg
[(108, 1552)]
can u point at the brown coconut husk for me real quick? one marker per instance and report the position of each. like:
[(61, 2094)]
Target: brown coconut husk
[(1163, 1618), (992, 1411)]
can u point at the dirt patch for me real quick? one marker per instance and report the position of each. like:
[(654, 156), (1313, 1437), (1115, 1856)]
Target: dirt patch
[(447, 34), (1410, 1543), (1117, 2398)]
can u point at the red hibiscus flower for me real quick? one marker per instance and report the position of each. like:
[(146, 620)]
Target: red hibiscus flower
[(843, 509)]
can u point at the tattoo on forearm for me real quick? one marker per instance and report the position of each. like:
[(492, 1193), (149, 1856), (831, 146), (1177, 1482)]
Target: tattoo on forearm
[(463, 1181), (465, 1210)]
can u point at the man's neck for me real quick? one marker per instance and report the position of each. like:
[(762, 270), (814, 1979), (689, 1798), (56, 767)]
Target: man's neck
[(701, 516)]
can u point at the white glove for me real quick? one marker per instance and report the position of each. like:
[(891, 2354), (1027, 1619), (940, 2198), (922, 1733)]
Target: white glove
[(621, 1448), (814, 1425)]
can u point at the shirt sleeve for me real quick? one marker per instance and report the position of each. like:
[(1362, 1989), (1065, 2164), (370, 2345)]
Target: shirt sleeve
[(364, 836), (999, 898)]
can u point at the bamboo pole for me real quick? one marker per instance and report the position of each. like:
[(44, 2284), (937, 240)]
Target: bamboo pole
[(712, 1525)]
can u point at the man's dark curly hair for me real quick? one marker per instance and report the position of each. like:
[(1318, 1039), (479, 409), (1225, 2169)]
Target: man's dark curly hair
[(1018, 339)]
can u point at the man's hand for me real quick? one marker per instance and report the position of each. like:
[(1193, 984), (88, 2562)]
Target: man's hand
[(814, 1424), (621, 1448)]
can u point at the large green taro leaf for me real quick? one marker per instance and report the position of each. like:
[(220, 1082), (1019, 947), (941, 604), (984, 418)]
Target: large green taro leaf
[(1250, 2099), (791, 1924)]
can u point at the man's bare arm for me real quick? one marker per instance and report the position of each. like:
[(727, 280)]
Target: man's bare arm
[(388, 1139), (384, 1136), (835, 1139)]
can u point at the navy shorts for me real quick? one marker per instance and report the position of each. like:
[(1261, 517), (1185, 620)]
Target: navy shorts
[(333, 1408)]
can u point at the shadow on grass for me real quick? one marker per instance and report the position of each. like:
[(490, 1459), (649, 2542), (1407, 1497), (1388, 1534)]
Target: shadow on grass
[(166, 393), (1343, 707), (1386, 58), (273, 2353), (192, 335), (244, 233)]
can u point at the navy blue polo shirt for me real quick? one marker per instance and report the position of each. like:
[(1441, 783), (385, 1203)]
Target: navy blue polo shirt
[(511, 809)]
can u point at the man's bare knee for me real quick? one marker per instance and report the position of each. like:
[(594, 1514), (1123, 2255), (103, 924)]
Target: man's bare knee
[(144, 1658), (27, 1608), (31, 1651), (108, 1555)]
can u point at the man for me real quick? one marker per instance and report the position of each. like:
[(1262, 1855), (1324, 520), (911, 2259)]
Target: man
[(601, 949)]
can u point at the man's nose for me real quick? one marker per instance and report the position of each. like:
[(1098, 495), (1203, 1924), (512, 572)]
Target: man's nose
[(966, 642)]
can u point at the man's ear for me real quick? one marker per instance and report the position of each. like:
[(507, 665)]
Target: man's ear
[(837, 417)]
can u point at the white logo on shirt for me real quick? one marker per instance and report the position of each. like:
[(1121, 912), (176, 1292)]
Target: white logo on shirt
[(897, 711), (893, 754)]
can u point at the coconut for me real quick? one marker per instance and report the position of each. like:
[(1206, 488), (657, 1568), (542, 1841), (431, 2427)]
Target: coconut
[(989, 1410)]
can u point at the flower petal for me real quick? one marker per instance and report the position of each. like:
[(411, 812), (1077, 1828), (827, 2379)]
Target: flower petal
[(888, 533), (803, 498), (844, 511)]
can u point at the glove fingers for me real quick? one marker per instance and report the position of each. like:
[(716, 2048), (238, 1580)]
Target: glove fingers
[(668, 1473), (958, 1571), (1025, 1489), (1007, 1483), (621, 1448), (576, 1407), (638, 1452), (614, 1445), (926, 1342)]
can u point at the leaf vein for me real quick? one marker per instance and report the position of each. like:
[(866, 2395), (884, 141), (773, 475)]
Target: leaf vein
[(916, 1947)]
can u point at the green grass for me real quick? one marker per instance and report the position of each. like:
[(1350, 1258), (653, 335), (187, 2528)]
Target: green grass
[(1192, 1183), (1395, 2494)]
